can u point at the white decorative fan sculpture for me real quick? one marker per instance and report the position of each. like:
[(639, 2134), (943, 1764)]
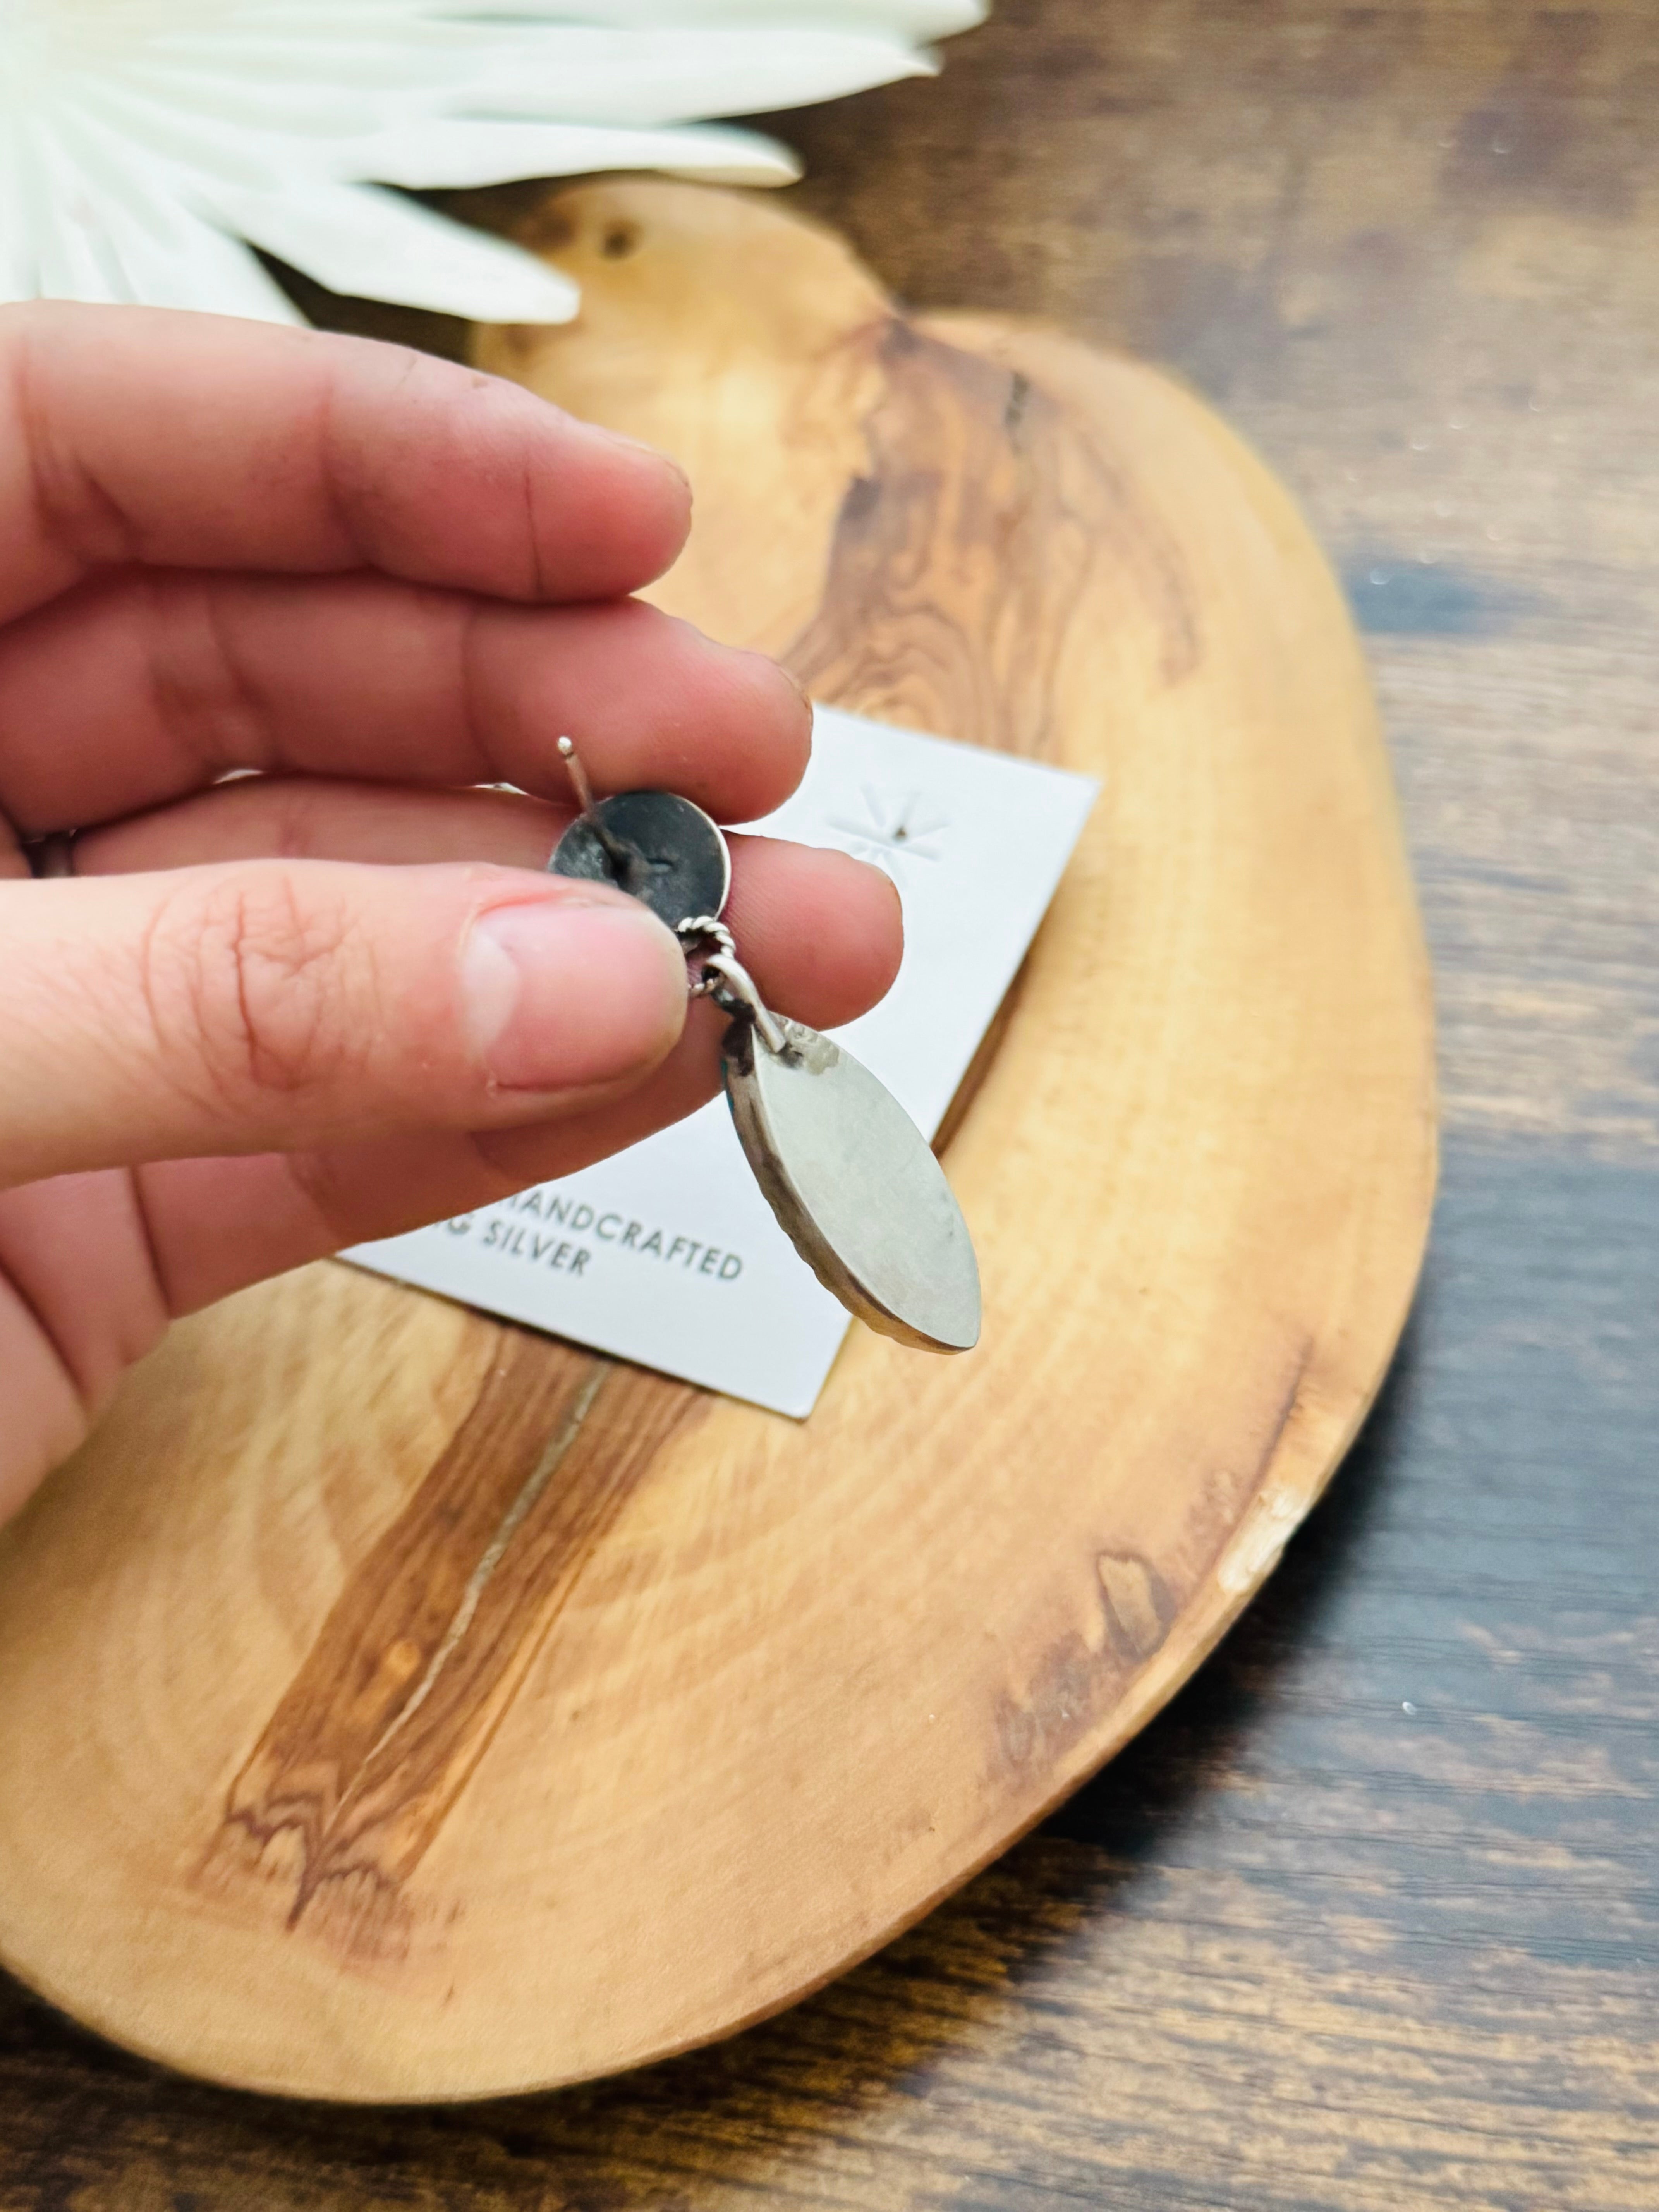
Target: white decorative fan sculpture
[(142, 141)]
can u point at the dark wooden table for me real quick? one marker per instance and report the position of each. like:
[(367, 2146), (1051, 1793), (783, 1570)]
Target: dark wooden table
[(1370, 1917)]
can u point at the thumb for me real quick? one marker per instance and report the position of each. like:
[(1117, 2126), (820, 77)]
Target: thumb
[(272, 1005)]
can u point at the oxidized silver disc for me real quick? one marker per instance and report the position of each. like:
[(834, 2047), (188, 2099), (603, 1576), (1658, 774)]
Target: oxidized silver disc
[(654, 844), (854, 1185)]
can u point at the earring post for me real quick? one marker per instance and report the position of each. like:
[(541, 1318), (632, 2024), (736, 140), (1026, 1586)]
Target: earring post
[(573, 762), (623, 858)]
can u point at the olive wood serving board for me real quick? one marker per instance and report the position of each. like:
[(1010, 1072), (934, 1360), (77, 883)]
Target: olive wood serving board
[(397, 1704)]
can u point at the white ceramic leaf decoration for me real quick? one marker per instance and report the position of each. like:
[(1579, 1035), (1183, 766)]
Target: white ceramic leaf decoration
[(145, 144)]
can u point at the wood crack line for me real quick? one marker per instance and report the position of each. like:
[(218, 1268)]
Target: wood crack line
[(491, 1557)]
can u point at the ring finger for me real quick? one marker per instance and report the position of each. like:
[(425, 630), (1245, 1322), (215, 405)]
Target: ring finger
[(820, 930)]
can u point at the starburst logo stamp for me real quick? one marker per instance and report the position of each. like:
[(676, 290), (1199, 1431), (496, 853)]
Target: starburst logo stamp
[(910, 827)]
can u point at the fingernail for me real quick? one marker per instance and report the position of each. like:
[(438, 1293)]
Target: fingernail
[(800, 690), (776, 673), (642, 445), (563, 994)]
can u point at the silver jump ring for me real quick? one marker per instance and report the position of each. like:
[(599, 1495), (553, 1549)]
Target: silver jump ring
[(722, 976), (734, 989), (701, 934)]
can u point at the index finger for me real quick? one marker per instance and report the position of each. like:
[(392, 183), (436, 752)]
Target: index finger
[(139, 435)]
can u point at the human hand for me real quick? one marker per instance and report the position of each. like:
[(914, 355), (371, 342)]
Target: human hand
[(236, 1038)]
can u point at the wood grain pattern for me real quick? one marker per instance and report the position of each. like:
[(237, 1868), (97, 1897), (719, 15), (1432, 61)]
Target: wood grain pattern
[(398, 1700), (1409, 250), (645, 1711), (1297, 1949)]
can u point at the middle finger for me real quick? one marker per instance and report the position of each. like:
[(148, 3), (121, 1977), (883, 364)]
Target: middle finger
[(820, 932), (142, 687)]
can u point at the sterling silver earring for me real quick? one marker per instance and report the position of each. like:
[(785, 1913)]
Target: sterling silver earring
[(853, 1181)]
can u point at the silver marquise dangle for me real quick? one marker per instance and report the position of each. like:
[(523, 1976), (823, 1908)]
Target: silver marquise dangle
[(852, 1180)]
